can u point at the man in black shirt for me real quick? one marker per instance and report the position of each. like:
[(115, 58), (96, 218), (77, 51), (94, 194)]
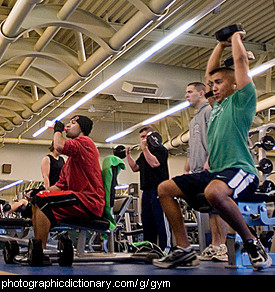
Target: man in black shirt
[(153, 168)]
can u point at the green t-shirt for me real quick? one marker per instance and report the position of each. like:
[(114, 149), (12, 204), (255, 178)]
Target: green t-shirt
[(227, 133)]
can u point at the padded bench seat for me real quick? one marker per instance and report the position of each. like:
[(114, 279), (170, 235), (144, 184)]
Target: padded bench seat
[(101, 224)]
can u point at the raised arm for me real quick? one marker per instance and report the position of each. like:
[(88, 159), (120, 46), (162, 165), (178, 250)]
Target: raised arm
[(214, 61), (241, 63), (58, 139)]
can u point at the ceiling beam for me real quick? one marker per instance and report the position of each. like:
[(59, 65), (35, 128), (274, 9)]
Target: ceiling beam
[(189, 39)]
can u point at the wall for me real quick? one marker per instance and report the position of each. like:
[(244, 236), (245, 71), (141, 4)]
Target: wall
[(25, 161)]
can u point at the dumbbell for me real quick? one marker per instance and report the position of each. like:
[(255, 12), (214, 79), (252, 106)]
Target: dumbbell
[(267, 143), (225, 33), (267, 186), (5, 207), (210, 93), (119, 150), (265, 166), (154, 140)]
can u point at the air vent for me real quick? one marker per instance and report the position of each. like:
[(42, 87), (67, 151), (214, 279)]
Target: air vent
[(140, 88)]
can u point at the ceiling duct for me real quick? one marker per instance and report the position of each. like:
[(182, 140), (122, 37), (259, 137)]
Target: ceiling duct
[(140, 88)]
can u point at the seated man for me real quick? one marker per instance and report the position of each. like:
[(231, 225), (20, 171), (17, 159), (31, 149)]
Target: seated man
[(232, 175), (79, 192)]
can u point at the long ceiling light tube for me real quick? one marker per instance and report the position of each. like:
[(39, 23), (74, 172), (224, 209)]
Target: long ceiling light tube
[(151, 120), (134, 63), (11, 185), (265, 66)]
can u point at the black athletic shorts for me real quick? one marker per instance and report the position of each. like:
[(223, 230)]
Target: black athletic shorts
[(193, 185), (62, 205)]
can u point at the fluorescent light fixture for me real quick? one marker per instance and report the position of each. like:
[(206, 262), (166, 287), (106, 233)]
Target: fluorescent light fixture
[(11, 185), (122, 187), (265, 66), (166, 113), (123, 133), (151, 120), (135, 63), (40, 131)]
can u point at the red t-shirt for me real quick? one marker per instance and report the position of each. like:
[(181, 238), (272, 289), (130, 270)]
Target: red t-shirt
[(81, 173)]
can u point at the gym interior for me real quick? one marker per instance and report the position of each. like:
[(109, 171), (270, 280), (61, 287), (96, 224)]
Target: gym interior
[(123, 64)]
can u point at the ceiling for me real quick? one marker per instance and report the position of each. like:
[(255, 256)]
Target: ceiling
[(52, 53)]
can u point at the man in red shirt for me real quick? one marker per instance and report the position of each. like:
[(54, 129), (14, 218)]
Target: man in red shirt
[(79, 192)]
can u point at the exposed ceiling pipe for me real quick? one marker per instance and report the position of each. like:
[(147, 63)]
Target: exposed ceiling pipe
[(68, 8), (12, 24), (136, 24), (80, 85), (45, 142), (184, 137), (266, 103)]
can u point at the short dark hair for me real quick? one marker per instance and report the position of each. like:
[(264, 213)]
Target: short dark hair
[(147, 129), (222, 69), (198, 85)]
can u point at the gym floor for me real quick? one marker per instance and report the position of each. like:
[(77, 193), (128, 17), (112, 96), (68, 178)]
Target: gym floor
[(109, 268)]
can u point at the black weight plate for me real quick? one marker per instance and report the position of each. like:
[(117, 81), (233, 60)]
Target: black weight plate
[(154, 139), (268, 142), (225, 33)]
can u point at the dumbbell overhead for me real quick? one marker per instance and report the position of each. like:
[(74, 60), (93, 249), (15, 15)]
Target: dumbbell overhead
[(154, 140), (222, 35), (225, 33)]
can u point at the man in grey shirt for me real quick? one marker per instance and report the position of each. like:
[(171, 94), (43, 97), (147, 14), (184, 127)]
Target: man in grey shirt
[(197, 161), (197, 152)]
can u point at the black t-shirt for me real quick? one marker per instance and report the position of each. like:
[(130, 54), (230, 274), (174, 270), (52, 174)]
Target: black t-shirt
[(151, 177), (55, 168)]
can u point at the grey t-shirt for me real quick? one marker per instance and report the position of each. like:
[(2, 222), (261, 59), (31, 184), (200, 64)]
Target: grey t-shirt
[(197, 151)]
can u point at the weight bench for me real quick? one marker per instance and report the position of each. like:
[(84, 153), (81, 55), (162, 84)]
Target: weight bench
[(107, 225), (254, 214), (66, 254), (96, 226)]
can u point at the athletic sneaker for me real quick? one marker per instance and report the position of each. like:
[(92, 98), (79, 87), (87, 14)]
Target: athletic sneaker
[(257, 254), (178, 258), (208, 253), (221, 255), (214, 253)]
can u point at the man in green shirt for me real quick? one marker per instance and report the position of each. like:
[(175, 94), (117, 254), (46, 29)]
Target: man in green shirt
[(232, 175)]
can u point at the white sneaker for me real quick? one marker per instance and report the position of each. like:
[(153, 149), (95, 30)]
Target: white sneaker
[(214, 253), (257, 254), (221, 255), (208, 253)]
